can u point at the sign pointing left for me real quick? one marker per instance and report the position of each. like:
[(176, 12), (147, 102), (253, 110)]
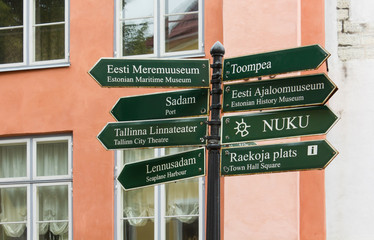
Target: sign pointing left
[(114, 72), (164, 169), (154, 133)]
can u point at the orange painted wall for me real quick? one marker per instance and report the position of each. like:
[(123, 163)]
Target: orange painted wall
[(312, 183), (68, 100), (273, 206), (261, 206)]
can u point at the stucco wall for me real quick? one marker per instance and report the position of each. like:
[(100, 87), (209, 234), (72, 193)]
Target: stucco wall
[(349, 179), (261, 206)]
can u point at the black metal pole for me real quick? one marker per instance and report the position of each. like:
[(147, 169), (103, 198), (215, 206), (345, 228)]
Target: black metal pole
[(213, 229)]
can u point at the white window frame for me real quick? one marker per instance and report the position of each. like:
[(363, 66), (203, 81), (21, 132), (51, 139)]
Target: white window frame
[(159, 203), (29, 41), (51, 140), (159, 33), (19, 141), (31, 182)]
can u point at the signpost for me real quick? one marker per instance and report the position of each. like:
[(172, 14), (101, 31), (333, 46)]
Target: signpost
[(185, 103), (114, 72), (277, 158), (271, 63), (164, 169), (306, 90), (277, 124), (155, 133), (139, 129)]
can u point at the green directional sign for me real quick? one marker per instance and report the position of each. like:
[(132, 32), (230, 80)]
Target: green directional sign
[(271, 63), (277, 124), (184, 103), (154, 133), (277, 158), (164, 169), (115, 72), (278, 93)]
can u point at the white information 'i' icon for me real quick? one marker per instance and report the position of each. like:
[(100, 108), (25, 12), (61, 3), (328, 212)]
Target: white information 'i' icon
[(312, 150)]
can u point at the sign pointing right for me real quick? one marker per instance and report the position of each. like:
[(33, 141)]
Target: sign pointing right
[(271, 63), (277, 124), (277, 158), (307, 90)]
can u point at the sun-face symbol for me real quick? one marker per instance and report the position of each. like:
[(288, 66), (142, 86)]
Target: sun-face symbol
[(242, 128)]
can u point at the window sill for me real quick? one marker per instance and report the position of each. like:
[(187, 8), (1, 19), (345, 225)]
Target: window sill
[(33, 67), (176, 56)]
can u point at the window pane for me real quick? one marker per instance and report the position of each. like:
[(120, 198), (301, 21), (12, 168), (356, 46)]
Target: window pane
[(13, 212), (13, 161), (182, 199), (4, 234), (11, 45), (48, 11), (181, 6), (135, 155), (177, 230), (143, 232), (138, 36), (53, 211), (52, 158), (50, 42), (182, 210), (137, 8), (11, 13), (181, 33), (138, 204)]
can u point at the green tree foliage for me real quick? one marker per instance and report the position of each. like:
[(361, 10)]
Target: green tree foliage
[(11, 40), (136, 41)]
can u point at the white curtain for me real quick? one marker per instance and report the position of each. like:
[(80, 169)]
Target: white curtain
[(182, 197), (182, 200), (53, 208), (13, 210), (52, 160), (13, 161), (53, 200), (13, 205), (138, 204)]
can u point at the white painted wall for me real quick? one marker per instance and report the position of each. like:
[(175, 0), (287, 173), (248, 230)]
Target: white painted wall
[(350, 177)]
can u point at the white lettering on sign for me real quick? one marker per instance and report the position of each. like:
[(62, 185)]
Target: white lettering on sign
[(170, 165), (254, 67), (312, 150), (249, 156), (179, 101), (286, 123), (261, 92), (165, 70), (112, 69)]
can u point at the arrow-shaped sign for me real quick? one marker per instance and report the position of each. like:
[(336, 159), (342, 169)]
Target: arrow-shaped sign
[(164, 169), (154, 133), (184, 103), (306, 90), (115, 72), (271, 63), (277, 124), (277, 158)]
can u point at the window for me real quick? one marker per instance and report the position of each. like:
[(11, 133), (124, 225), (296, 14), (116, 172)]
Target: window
[(33, 34), (159, 28), (35, 188), (171, 211)]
